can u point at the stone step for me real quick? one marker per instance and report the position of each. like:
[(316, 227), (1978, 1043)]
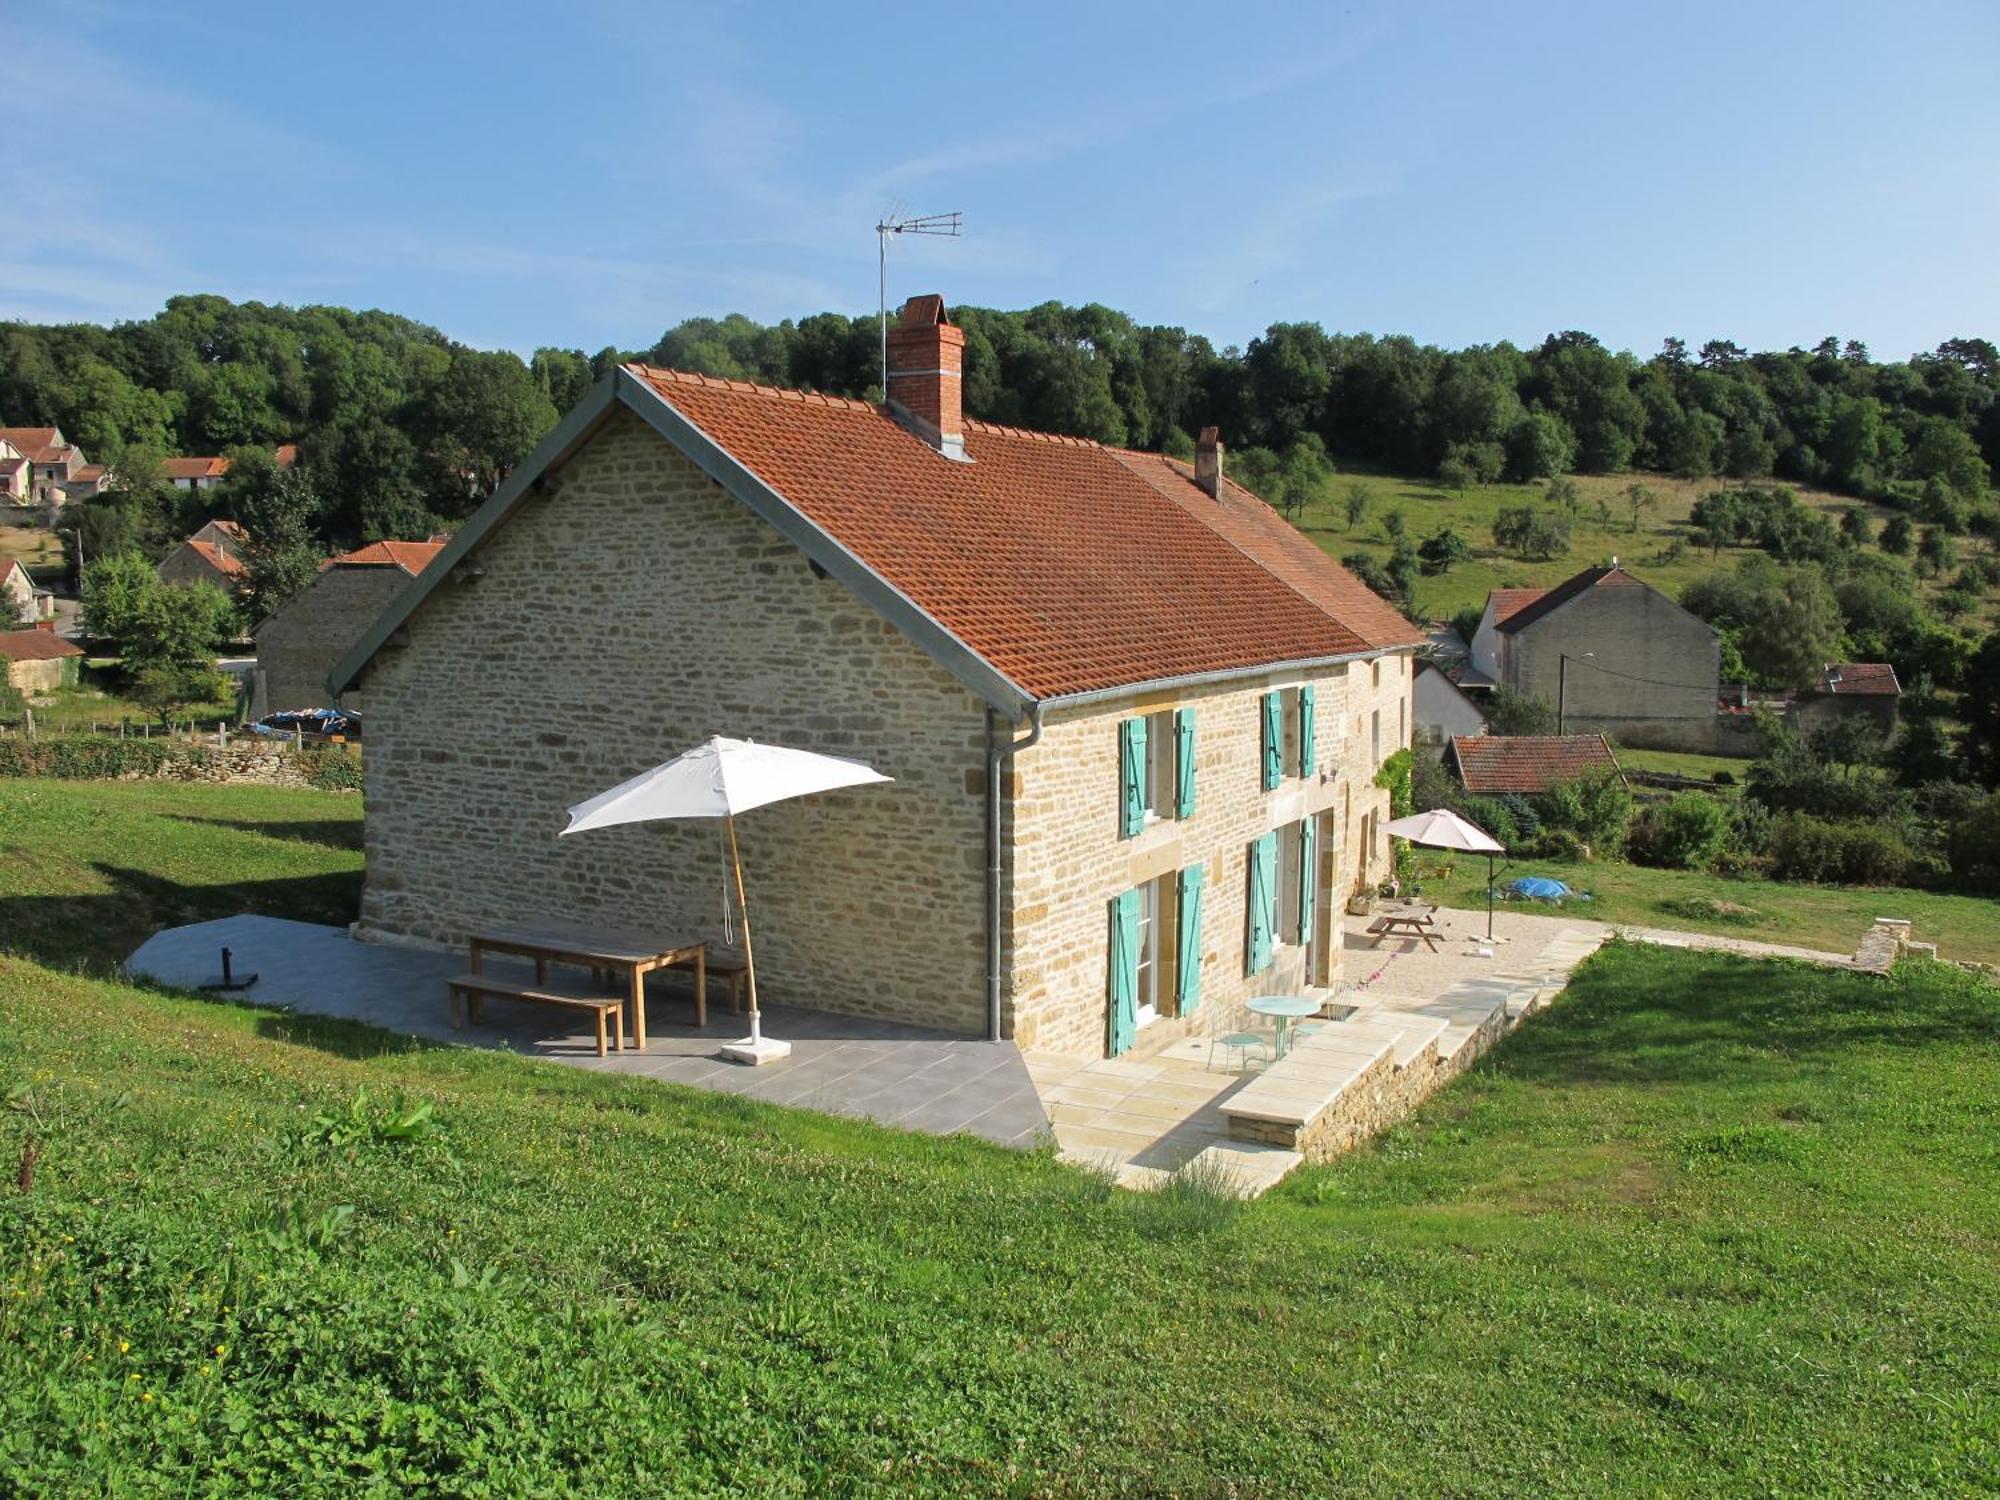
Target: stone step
[(1295, 1089), (1253, 1167)]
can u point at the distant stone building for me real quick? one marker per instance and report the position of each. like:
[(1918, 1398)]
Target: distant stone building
[(1847, 691), (214, 555), (20, 600), (39, 661), (52, 460), (308, 634), (1443, 710), (1610, 654)]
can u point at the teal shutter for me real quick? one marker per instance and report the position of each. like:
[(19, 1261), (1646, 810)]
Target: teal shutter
[(1307, 736), (1308, 884), (1263, 901), (1131, 777), (1274, 740), (1123, 978), (1187, 970), (1183, 762)]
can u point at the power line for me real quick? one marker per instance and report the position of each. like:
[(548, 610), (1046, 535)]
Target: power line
[(1690, 687)]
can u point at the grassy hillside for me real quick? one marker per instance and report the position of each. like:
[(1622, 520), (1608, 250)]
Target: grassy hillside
[(1650, 551), (1708, 1225)]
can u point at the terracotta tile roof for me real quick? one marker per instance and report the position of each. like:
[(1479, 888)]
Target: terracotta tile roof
[(1546, 601), (1506, 603), (411, 557), (285, 455), (194, 468), (1876, 678), (1066, 565), (90, 474), (222, 562), (1529, 763), (35, 645), (42, 445)]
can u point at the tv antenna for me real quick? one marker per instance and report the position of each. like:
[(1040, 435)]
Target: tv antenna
[(939, 224)]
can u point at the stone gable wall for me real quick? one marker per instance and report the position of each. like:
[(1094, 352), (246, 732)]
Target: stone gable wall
[(1069, 860), (684, 616), (300, 644)]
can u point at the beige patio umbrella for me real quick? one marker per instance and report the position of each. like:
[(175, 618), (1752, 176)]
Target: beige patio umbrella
[(720, 778), (1441, 828)]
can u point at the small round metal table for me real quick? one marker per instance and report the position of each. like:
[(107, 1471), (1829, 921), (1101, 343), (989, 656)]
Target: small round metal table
[(1283, 1009)]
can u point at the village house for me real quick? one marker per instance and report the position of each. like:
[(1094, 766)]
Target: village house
[(1133, 718), (21, 602), (214, 554), (1526, 765), (1608, 653), (1443, 709), (39, 661), (305, 638), (52, 459), (1846, 692), (194, 474), (16, 476)]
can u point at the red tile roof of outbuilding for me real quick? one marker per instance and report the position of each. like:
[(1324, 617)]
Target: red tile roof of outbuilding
[(1529, 763), (411, 557), (1066, 565), (1876, 678), (35, 645)]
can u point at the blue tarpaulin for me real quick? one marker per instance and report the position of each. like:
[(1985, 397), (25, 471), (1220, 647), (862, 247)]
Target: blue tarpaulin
[(1540, 888)]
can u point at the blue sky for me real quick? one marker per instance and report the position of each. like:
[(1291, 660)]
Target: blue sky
[(589, 173)]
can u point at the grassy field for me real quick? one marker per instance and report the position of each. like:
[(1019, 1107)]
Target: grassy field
[(1707, 1225), (89, 870), (1832, 918), (1602, 530), (36, 546), (96, 702), (1685, 763)]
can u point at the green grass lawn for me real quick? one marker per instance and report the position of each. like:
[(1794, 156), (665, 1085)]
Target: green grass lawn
[(1687, 763), (1707, 1225), (1595, 538), (97, 703), (1832, 918), (89, 870)]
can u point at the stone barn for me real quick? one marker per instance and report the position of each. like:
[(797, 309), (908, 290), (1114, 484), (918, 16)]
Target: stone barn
[(306, 636)]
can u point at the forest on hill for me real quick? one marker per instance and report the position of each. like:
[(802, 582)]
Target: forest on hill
[(402, 431)]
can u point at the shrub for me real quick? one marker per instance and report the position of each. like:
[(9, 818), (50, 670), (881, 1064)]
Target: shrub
[(1686, 832), (89, 758), (1975, 848), (1713, 909), (1596, 808), (1537, 533), (331, 769), (1821, 851), (1493, 815)]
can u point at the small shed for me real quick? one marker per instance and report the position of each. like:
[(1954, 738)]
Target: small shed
[(1527, 764), (39, 661)]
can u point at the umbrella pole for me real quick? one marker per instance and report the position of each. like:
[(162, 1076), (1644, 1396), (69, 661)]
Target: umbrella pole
[(1489, 898), (743, 916)]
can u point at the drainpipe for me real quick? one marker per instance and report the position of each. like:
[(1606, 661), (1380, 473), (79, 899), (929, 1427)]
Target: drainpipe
[(998, 750)]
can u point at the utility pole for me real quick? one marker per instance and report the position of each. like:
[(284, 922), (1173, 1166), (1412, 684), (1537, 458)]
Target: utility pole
[(1562, 687)]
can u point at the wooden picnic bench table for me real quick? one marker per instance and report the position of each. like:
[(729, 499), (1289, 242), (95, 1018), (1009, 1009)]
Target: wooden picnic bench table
[(629, 954), (1416, 922)]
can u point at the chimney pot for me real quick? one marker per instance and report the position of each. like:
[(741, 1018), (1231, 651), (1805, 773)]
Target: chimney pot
[(1208, 461), (926, 363)]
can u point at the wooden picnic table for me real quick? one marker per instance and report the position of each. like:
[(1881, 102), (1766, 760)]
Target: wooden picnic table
[(632, 955), (1413, 921)]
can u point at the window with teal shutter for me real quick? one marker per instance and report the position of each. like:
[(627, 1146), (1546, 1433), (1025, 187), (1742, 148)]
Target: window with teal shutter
[(1131, 777), (1308, 883), (1187, 926), (1122, 981), (1306, 737), (1274, 740), (1183, 762), (1263, 902)]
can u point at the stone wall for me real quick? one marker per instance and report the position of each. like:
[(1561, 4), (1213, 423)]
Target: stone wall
[(40, 675), (184, 566), (1069, 860), (300, 644), (687, 617)]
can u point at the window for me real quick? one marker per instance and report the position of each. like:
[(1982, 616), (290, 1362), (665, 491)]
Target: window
[(1159, 791), (1148, 987), (1289, 873), (1289, 744), (1155, 769), (1144, 959), (1375, 734)]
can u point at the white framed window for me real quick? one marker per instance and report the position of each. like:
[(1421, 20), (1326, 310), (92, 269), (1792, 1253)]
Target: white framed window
[(1290, 850), (1375, 735), (1158, 903), (1159, 784)]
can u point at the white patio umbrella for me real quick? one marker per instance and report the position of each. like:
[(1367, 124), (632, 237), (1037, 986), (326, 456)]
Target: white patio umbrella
[(1441, 828), (720, 778)]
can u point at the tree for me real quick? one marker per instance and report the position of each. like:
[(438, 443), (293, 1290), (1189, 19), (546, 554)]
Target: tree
[(153, 624), (1935, 553), (1354, 504), (1979, 707), (1856, 526), (1532, 532), (1394, 526), (1898, 536), (1791, 628), (1539, 446), (1639, 498), (1511, 712), (1455, 471), (1442, 551), (169, 692)]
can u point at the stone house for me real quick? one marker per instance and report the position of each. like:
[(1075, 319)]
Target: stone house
[(39, 661), (214, 554), (1846, 691), (1608, 653), (21, 603), (52, 459), (305, 638), (1443, 709), (1133, 717), (194, 474)]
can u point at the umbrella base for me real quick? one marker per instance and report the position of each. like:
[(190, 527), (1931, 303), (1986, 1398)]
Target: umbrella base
[(756, 1050)]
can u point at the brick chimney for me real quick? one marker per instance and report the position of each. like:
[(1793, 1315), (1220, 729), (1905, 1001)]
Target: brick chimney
[(926, 360), (1208, 461)]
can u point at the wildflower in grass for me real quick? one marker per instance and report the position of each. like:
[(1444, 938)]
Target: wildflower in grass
[(124, 1346)]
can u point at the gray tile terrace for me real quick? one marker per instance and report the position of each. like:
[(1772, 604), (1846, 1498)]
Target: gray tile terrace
[(924, 1080)]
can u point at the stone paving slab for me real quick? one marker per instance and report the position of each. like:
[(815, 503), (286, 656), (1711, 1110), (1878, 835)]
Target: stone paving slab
[(935, 1081)]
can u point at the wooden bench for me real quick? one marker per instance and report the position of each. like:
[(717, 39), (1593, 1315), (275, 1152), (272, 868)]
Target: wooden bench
[(730, 968), (467, 990)]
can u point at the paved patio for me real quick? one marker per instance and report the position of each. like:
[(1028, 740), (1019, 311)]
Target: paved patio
[(933, 1081), (1143, 1117)]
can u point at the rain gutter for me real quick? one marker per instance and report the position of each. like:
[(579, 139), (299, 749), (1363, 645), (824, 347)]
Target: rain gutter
[(997, 751)]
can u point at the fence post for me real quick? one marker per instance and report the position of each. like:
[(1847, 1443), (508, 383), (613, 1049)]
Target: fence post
[(222, 733), (25, 709)]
